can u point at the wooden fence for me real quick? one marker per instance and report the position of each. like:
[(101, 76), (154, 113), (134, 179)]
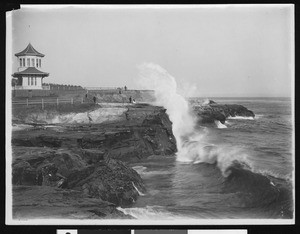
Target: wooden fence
[(43, 101)]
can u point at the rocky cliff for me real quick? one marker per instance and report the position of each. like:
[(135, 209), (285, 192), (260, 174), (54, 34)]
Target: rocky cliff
[(58, 162), (76, 164)]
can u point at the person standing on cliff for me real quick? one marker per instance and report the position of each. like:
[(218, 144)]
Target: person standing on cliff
[(125, 88), (94, 98), (130, 99)]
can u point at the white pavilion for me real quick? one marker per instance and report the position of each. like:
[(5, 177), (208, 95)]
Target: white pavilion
[(29, 76)]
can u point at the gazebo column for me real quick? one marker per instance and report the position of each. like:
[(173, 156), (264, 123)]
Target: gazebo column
[(25, 81), (39, 81)]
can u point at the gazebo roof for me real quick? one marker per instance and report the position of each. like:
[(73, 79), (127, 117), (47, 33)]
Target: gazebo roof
[(30, 71), (29, 50)]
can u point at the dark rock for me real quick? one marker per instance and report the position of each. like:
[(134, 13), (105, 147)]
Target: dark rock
[(95, 175), (212, 112), (111, 181), (150, 134), (41, 141), (86, 159), (41, 202), (92, 156), (40, 166)]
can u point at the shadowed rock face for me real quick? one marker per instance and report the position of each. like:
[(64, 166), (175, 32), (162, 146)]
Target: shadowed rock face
[(50, 202), (212, 111), (89, 160), (107, 179), (143, 131)]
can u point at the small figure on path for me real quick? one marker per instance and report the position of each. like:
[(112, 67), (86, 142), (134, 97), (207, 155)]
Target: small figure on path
[(125, 88), (86, 95), (90, 119), (127, 114), (94, 98), (130, 99)]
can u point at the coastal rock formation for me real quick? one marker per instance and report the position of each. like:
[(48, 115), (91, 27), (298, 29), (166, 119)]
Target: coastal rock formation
[(211, 111), (142, 131), (89, 159), (104, 178), (44, 202)]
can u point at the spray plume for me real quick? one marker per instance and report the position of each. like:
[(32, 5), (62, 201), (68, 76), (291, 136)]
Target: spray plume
[(155, 77), (190, 141)]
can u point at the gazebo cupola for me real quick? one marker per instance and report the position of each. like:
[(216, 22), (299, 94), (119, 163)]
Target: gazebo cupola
[(28, 76)]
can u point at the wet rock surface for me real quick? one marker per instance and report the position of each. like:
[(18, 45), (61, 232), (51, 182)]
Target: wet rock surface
[(212, 111), (45, 202), (87, 161)]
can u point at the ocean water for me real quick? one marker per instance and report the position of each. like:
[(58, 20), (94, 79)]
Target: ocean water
[(250, 178)]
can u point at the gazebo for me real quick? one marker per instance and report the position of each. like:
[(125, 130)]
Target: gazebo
[(28, 75)]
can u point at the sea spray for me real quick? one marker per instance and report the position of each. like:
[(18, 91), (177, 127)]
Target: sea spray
[(155, 77), (191, 142)]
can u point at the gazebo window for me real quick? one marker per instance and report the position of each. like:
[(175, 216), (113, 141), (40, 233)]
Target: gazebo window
[(37, 63), (32, 60), (24, 62), (28, 81), (40, 62), (28, 62), (35, 81), (20, 62)]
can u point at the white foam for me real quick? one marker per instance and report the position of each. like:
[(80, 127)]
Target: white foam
[(19, 127), (150, 213), (139, 192), (219, 124), (139, 169), (241, 117)]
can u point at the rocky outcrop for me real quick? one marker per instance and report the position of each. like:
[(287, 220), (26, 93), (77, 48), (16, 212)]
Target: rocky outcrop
[(44, 202), (211, 111), (111, 181), (87, 160), (143, 131), (101, 177)]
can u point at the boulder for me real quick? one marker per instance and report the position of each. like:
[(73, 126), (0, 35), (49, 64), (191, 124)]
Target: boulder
[(111, 181), (94, 174)]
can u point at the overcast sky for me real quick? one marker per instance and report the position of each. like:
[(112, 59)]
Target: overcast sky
[(223, 51)]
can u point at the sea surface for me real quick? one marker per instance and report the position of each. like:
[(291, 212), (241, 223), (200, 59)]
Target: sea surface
[(251, 178)]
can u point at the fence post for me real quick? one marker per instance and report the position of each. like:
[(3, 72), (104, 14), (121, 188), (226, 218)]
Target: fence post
[(27, 102), (42, 104)]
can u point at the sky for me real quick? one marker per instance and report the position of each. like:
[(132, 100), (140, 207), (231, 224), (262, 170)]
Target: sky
[(212, 51)]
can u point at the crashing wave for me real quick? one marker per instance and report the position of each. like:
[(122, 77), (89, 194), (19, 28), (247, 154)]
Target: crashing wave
[(219, 124), (190, 140)]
